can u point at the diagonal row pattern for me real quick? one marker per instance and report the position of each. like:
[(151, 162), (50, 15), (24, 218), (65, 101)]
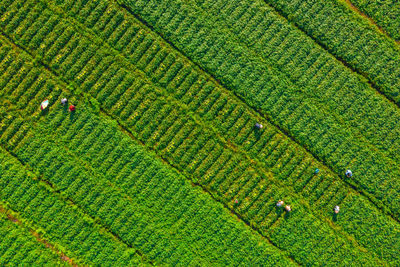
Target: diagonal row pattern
[(143, 107), (312, 127), (62, 223), (138, 206)]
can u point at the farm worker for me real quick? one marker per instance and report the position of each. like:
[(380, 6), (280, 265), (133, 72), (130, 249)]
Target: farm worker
[(349, 173), (236, 201), (64, 101), (316, 171), (337, 209), (280, 203), (71, 108), (44, 104), (258, 125), (288, 209)]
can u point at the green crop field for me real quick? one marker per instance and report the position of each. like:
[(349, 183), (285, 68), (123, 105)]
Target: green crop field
[(162, 163)]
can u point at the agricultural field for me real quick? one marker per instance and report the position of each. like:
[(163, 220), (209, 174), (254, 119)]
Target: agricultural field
[(186, 122)]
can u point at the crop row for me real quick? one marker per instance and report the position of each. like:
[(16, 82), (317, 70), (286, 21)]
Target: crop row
[(133, 120), (366, 50), (386, 14), (201, 96), (45, 158), (315, 129), (148, 206), (60, 223), (170, 123), (138, 180), (19, 247), (312, 184), (336, 88)]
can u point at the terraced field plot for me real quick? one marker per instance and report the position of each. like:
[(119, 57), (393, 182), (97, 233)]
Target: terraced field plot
[(161, 162)]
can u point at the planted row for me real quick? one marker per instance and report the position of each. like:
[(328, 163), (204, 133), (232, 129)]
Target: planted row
[(366, 50), (19, 247), (243, 190), (385, 13), (313, 70), (63, 224), (265, 89)]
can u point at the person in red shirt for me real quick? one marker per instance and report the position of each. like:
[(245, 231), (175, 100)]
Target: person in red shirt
[(71, 108)]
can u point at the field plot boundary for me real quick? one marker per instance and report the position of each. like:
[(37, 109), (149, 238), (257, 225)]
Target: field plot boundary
[(14, 217), (371, 20), (149, 145), (362, 16), (163, 159), (367, 195), (70, 202)]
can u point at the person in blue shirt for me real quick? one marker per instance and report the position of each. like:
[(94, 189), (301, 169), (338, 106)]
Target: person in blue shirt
[(258, 125)]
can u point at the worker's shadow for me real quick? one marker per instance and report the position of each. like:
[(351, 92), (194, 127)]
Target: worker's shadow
[(257, 133), (334, 217), (72, 115), (280, 210), (44, 112), (287, 215)]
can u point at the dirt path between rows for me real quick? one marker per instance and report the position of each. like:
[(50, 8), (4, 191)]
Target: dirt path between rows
[(359, 12)]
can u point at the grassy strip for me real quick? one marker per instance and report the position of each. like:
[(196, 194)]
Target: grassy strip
[(19, 245), (56, 220), (308, 218), (386, 14), (261, 87)]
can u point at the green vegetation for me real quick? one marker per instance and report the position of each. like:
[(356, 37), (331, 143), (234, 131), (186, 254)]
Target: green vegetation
[(162, 162), (19, 246), (385, 13), (258, 84), (58, 220), (366, 50), (124, 202)]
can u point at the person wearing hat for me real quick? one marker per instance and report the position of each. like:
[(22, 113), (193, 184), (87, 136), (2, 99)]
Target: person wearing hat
[(280, 203), (258, 126), (336, 209)]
